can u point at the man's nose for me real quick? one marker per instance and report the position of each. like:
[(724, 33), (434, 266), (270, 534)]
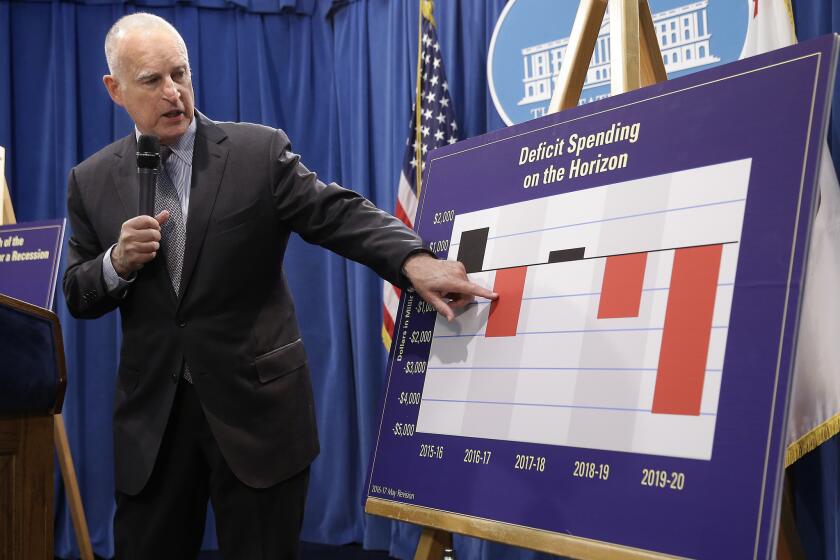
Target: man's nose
[(170, 90)]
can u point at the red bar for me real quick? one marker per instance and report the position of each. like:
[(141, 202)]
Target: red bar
[(504, 312), (688, 328), (621, 291)]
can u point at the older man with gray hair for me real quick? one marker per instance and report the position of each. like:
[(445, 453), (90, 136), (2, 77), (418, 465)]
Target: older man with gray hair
[(213, 398)]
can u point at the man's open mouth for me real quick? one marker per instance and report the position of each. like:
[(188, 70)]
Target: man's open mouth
[(173, 114)]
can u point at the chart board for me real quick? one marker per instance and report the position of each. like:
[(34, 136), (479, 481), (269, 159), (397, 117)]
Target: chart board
[(628, 389)]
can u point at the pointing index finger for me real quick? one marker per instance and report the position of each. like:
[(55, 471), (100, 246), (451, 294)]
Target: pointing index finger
[(484, 292), (471, 288)]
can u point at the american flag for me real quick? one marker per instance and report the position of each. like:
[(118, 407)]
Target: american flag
[(432, 125)]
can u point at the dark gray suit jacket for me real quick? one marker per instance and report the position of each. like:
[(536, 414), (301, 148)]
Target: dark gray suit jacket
[(234, 322)]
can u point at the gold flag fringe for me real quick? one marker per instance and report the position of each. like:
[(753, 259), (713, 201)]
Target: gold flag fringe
[(812, 440)]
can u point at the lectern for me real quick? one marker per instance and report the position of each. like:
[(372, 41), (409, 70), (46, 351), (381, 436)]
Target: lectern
[(32, 384)]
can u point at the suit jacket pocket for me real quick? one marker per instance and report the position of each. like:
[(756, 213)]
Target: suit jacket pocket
[(234, 220), (280, 361)]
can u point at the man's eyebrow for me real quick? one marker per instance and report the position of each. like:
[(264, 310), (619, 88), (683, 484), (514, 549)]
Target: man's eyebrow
[(145, 75)]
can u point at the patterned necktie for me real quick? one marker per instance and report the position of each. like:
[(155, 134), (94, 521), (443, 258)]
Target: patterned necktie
[(173, 233)]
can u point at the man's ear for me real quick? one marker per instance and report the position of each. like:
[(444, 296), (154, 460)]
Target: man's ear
[(113, 87)]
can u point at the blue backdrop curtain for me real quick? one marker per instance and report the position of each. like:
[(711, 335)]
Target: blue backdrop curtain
[(338, 77)]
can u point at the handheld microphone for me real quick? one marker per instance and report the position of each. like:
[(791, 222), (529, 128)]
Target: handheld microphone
[(148, 161)]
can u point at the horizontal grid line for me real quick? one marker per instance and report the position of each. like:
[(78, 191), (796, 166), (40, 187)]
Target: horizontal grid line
[(551, 405)]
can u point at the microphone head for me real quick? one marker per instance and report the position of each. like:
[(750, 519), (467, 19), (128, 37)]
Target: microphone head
[(148, 152)]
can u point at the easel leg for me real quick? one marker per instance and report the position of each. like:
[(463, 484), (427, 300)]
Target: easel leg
[(575, 66), (71, 487), (432, 544), (625, 69), (652, 66)]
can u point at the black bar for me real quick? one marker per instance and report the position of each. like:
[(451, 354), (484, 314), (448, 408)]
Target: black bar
[(472, 247), (565, 255)]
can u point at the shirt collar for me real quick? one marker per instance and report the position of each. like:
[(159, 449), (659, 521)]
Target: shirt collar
[(183, 146)]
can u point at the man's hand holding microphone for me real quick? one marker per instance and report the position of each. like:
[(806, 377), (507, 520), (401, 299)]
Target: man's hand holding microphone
[(140, 236)]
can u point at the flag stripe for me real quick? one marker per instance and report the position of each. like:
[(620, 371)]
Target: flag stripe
[(402, 215)]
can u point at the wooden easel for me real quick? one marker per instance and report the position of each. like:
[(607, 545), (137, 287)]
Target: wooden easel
[(62, 445), (635, 62)]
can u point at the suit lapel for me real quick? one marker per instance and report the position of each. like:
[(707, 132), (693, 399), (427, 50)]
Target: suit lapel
[(124, 174), (209, 160)]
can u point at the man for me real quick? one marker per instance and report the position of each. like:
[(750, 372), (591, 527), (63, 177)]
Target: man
[(213, 395)]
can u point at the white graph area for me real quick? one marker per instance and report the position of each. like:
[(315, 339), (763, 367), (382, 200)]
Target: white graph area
[(568, 378)]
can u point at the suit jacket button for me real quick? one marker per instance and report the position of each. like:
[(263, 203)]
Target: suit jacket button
[(174, 376), (182, 324)]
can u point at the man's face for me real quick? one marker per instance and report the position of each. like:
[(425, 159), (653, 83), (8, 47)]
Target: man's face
[(153, 83)]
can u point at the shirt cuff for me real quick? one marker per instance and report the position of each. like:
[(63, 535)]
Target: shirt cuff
[(116, 286)]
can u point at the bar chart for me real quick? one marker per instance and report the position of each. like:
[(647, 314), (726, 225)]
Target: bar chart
[(611, 326)]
